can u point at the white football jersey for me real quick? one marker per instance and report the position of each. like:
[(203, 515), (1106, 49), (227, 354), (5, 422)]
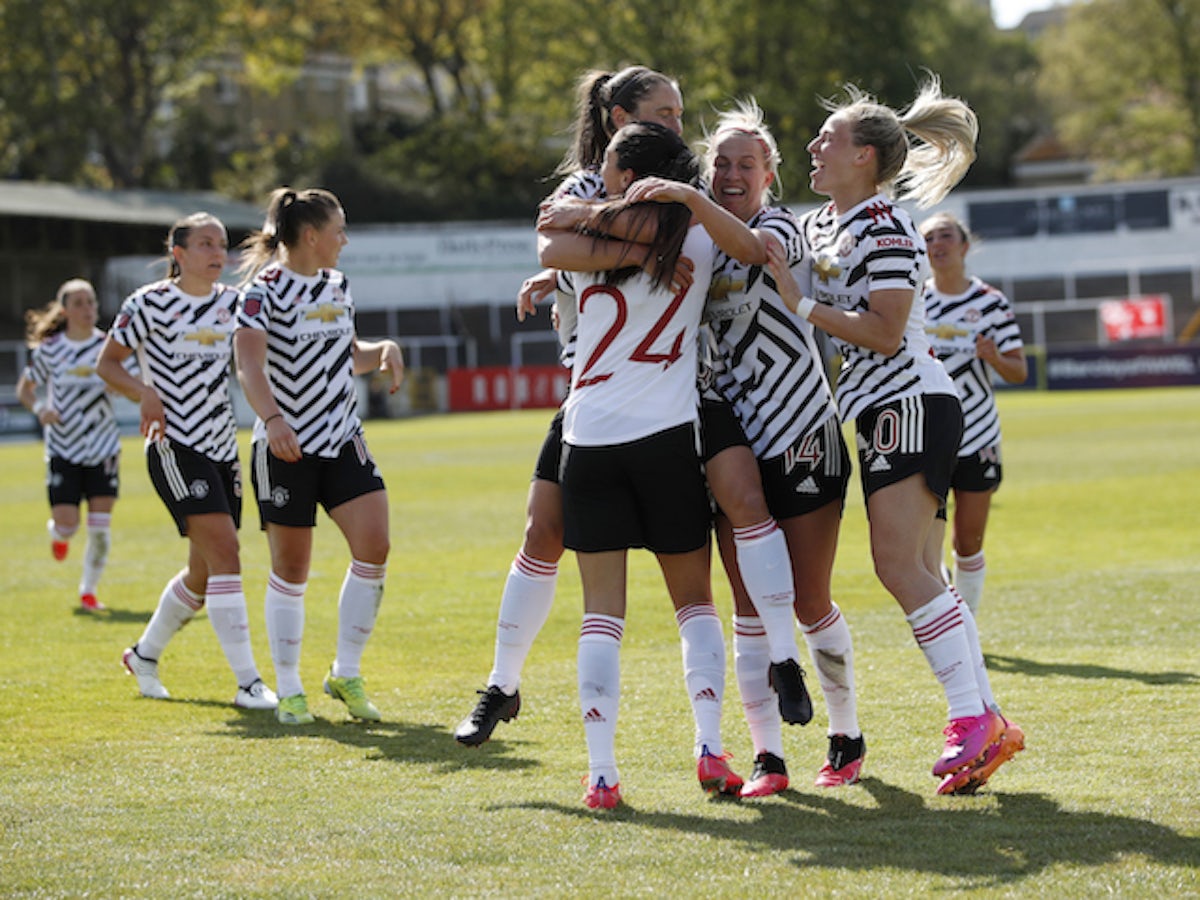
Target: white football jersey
[(635, 368), (768, 366), (184, 345), (874, 247), (585, 184), (954, 321), (309, 324), (87, 431)]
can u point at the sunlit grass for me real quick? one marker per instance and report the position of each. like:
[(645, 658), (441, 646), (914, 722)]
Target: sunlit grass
[(1090, 620)]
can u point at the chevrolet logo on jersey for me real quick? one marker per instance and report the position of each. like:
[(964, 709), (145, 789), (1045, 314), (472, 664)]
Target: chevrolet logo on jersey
[(826, 268), (946, 332), (207, 337), (722, 286), (326, 312), (82, 371)]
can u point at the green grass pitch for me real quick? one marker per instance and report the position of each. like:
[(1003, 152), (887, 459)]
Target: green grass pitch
[(1090, 621)]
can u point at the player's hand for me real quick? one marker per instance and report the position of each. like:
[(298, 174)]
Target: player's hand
[(564, 214), (660, 190), (391, 364), (152, 419), (785, 281), (985, 349), (49, 416), (533, 291), (282, 440), (683, 276)]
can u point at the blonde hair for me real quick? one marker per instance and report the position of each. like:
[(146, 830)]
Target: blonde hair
[(947, 218), (746, 118), (52, 318), (924, 171)]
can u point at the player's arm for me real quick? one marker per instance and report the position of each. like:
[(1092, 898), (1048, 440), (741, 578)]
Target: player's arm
[(533, 291), (382, 355), (1010, 365), (250, 351), (27, 395), (727, 231), (880, 327), (575, 252), (111, 367)]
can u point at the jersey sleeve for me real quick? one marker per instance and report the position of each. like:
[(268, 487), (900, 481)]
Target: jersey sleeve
[(253, 307), (582, 185), (893, 258), (131, 327), (36, 370), (1003, 326), (785, 227)]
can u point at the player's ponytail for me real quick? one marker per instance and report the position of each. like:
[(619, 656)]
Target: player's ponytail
[(288, 212), (598, 93)]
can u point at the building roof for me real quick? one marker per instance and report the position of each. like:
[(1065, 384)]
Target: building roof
[(37, 199)]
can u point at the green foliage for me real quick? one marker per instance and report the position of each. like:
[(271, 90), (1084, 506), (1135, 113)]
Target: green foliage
[(484, 68), (251, 174), (1088, 620), (454, 168), (1123, 80), (88, 76)]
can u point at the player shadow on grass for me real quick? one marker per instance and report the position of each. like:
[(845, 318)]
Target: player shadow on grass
[(1006, 837), (111, 616), (389, 741), (1035, 669)]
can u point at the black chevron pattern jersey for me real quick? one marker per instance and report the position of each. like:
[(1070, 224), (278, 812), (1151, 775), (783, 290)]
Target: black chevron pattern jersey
[(768, 366), (873, 247), (184, 345), (584, 184), (953, 321), (309, 324), (87, 431)]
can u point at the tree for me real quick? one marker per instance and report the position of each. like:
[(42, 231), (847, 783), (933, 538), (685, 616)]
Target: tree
[(1123, 80), (82, 82)]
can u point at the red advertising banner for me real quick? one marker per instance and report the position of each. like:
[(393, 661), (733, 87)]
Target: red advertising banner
[(1133, 318), (526, 387)]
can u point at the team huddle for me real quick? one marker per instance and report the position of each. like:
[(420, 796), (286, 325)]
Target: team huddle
[(686, 304)]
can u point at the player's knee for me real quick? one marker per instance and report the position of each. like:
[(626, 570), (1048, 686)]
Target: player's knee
[(544, 538)]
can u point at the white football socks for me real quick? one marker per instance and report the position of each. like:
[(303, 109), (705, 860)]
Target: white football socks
[(524, 608), (358, 608), (599, 666)]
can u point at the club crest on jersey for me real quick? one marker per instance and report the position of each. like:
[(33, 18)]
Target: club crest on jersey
[(82, 371), (846, 244), (825, 267)]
